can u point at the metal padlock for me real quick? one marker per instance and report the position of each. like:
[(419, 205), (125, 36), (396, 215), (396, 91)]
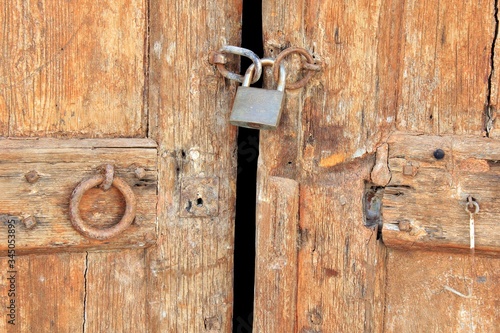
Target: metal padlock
[(258, 108)]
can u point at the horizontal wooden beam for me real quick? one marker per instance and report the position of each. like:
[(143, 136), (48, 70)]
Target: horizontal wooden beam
[(51, 143), (37, 178), (423, 205)]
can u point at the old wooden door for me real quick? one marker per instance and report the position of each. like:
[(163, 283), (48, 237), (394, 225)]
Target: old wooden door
[(86, 83), (420, 68)]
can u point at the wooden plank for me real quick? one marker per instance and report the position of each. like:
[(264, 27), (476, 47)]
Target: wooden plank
[(73, 68), (491, 125), (337, 261), (413, 66), (57, 170), (115, 292), (277, 233), (344, 97), (77, 69), (51, 143), (327, 133), (190, 271), (437, 292), (49, 295), (446, 59), (445, 64), (423, 205)]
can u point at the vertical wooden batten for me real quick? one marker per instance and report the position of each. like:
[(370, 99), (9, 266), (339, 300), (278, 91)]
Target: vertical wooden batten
[(190, 270), (324, 143), (277, 232)]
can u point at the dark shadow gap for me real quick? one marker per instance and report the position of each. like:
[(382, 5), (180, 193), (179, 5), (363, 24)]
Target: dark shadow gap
[(248, 151)]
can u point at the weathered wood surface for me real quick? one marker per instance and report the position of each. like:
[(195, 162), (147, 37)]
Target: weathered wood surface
[(38, 143), (339, 278), (387, 65), (116, 292), (81, 69), (445, 63), (326, 131), (50, 293), (76, 69), (439, 292), (59, 169), (277, 231), (423, 205), (189, 272), (73, 68), (443, 55)]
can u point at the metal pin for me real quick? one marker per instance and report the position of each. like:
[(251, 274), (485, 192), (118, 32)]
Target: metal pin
[(471, 204)]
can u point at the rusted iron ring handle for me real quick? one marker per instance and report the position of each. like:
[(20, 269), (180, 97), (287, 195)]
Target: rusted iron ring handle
[(97, 233), (242, 52), (310, 71)]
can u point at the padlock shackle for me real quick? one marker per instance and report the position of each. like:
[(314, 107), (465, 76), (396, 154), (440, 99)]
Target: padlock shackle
[(266, 62)]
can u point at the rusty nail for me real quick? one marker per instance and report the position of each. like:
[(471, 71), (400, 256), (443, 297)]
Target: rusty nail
[(150, 237), (212, 323), (32, 176), (217, 58), (29, 222), (140, 173), (315, 317), (408, 170), (404, 225)]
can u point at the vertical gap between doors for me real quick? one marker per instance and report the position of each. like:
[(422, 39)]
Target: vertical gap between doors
[(248, 151)]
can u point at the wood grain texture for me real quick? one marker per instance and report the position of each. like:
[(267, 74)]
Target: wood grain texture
[(344, 96), (337, 262), (73, 68), (190, 271), (494, 80), (276, 278), (76, 69), (419, 297), (59, 170), (322, 143), (387, 65), (41, 143), (50, 293), (425, 208), (115, 289), (445, 65)]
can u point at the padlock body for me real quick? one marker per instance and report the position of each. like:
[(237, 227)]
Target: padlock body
[(257, 108)]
